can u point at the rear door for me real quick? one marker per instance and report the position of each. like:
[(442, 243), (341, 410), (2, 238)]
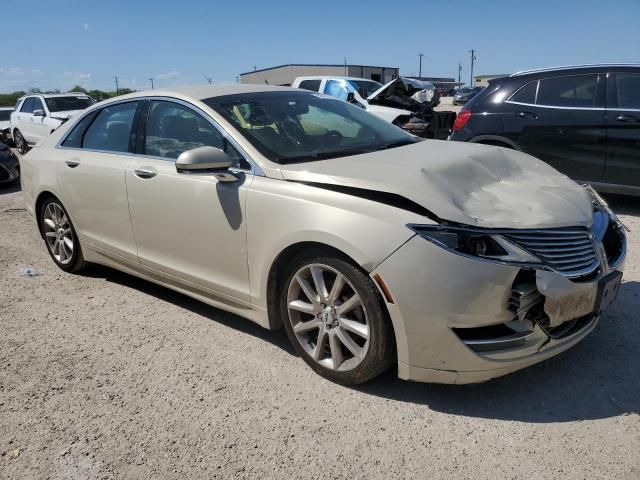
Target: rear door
[(565, 125), (39, 128), (623, 129), (25, 117), (91, 176)]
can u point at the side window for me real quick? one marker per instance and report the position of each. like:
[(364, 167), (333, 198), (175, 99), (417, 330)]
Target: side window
[(74, 139), (37, 104), (628, 88), (337, 89), (111, 129), (173, 129), (313, 85), (572, 91), (526, 94), (27, 106)]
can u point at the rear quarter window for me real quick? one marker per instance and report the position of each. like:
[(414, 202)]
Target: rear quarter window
[(313, 85), (526, 94)]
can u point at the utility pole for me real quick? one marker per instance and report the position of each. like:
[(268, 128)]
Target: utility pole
[(255, 68), (473, 59), (420, 68), (345, 66), (237, 79), (459, 70), (117, 88), (208, 79), (151, 80)]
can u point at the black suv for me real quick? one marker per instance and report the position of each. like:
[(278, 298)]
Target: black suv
[(583, 121)]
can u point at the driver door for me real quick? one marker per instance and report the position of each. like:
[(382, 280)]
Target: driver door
[(188, 226)]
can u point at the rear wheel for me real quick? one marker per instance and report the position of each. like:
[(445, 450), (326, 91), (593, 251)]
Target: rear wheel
[(20, 142), (335, 319), (60, 236)]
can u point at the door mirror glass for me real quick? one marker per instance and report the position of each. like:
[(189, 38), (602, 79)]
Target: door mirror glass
[(206, 158), (351, 97), (38, 113)]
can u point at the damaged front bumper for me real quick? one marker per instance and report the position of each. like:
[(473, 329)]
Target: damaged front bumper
[(461, 320)]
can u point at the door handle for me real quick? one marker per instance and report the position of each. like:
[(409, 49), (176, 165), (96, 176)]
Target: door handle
[(145, 172), (72, 163), (526, 115), (627, 118)]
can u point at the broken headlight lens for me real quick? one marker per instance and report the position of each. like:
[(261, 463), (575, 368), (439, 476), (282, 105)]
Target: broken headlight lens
[(475, 243)]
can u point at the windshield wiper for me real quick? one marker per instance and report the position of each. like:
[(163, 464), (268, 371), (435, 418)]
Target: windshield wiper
[(323, 155)]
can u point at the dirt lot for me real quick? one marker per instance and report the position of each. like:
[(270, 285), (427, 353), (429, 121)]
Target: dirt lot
[(106, 376)]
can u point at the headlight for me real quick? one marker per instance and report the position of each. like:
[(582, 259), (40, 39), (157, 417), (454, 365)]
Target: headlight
[(475, 243)]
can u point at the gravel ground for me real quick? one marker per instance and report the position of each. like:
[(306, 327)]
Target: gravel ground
[(107, 376)]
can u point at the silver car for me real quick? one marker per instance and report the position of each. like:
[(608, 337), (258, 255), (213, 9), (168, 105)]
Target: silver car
[(456, 262)]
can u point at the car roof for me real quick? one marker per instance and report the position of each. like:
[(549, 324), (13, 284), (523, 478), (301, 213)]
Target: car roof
[(335, 77), (201, 92), (575, 68), (6, 108)]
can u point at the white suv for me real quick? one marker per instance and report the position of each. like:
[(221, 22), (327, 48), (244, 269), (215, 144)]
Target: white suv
[(36, 116)]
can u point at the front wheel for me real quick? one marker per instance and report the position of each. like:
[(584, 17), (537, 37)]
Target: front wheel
[(335, 318), (60, 236)]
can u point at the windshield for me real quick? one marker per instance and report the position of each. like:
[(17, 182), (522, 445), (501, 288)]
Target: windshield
[(5, 115), (292, 127), (63, 104), (465, 90), (364, 87)]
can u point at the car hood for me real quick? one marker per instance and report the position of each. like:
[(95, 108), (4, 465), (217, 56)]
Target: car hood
[(457, 182), (404, 91), (65, 115)]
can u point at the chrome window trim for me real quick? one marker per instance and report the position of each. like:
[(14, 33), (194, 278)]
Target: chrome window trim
[(255, 169), (556, 107)]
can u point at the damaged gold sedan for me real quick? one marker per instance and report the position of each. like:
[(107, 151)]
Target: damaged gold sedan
[(371, 247)]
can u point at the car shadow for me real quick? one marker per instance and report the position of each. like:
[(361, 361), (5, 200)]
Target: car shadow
[(598, 378), (276, 338), (11, 188)]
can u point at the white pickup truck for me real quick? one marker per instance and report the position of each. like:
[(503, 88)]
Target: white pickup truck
[(405, 102)]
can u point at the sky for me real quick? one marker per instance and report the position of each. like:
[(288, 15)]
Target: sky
[(56, 45)]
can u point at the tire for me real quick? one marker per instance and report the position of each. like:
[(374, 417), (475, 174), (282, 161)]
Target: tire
[(348, 318), (60, 236), (20, 142)]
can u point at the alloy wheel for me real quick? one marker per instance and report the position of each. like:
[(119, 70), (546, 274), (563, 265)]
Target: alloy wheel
[(58, 233), (328, 317), (19, 141)]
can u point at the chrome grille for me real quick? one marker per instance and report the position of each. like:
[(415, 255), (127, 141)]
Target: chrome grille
[(569, 251)]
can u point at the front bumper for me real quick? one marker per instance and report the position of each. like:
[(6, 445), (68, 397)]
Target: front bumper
[(436, 294)]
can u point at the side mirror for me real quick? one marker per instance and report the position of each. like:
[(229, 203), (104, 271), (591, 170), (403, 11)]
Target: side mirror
[(38, 113), (351, 97), (206, 159)]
